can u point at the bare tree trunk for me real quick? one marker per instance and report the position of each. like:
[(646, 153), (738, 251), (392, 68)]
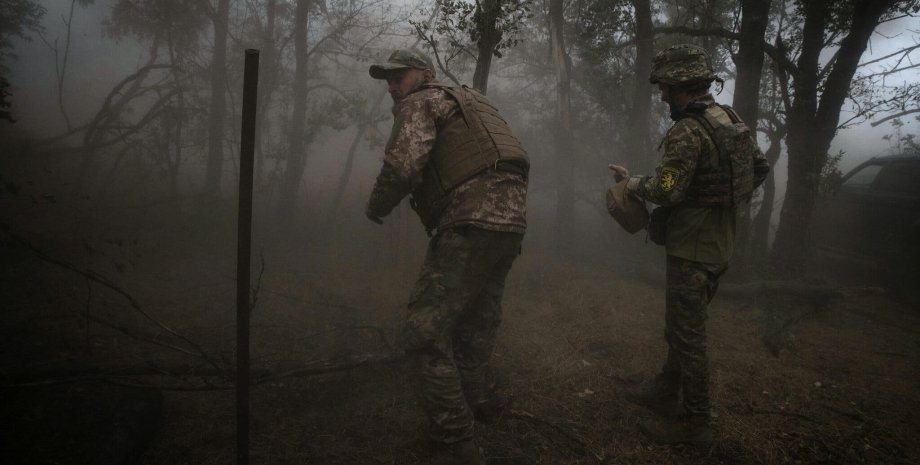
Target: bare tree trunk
[(62, 69), (813, 124), (487, 13), (802, 186), (564, 157), (297, 156), (268, 82), (218, 107), (750, 58), (760, 225), (749, 63), (365, 122), (179, 117), (638, 140)]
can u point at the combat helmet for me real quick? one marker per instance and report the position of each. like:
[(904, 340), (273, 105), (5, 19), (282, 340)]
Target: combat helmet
[(681, 65)]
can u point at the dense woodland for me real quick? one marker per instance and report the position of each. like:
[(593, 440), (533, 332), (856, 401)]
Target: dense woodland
[(118, 226), (562, 71)]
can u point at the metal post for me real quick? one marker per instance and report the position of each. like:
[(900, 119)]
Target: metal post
[(243, 254)]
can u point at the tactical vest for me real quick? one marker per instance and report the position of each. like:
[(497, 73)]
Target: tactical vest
[(476, 138), (732, 181)]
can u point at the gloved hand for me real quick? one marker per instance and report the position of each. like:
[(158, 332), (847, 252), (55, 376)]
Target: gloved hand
[(619, 172)]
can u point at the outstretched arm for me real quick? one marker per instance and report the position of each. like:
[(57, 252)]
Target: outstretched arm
[(675, 171)]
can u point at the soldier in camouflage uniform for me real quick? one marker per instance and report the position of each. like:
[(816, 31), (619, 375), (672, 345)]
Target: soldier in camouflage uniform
[(467, 177), (709, 167)]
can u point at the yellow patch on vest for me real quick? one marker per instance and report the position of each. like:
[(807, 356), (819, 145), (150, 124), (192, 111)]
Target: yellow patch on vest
[(669, 178)]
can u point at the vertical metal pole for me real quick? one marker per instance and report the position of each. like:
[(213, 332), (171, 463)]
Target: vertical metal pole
[(243, 254)]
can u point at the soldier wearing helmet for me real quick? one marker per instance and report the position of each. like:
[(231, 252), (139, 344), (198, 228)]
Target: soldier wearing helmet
[(466, 175), (709, 167)]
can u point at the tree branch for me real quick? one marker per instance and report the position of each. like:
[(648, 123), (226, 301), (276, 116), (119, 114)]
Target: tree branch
[(95, 277), (75, 373), (773, 52), (896, 115), (904, 52)]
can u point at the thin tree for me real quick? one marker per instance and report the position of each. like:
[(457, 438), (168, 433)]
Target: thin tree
[(565, 156), (217, 114), (479, 31), (749, 62), (17, 18), (639, 137), (296, 155)]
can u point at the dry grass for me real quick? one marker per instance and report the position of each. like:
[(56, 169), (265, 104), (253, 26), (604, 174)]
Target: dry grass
[(573, 339), (575, 336)]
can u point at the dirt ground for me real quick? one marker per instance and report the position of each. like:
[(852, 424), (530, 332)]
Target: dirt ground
[(842, 385)]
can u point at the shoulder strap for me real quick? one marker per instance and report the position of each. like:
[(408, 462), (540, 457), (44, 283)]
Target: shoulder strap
[(732, 114), (709, 123), (457, 93)]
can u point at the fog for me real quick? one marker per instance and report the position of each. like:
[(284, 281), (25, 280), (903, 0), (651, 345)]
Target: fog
[(119, 249), (97, 62)]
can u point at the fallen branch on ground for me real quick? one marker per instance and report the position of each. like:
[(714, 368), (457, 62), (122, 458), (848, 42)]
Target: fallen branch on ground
[(100, 279), (525, 415), (795, 289), (69, 372)]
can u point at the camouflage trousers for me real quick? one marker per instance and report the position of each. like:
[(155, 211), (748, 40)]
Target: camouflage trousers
[(690, 287), (451, 323)]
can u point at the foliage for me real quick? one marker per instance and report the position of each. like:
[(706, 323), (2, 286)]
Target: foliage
[(342, 35), (4, 104), (602, 34), (697, 15), (901, 142), (17, 19), (461, 24), (831, 176), (176, 21)]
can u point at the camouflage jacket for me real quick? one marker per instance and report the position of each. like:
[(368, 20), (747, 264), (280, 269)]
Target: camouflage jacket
[(493, 200), (702, 234), (687, 146)]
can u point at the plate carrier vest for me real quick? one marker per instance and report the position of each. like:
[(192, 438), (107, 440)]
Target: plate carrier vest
[(732, 181), (476, 138)]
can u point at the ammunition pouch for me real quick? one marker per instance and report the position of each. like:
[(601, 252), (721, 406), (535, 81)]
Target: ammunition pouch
[(658, 225), (429, 212)]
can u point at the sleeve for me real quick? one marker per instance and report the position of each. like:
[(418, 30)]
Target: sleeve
[(675, 170), (406, 153)]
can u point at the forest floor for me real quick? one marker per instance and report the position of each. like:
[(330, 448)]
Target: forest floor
[(842, 386)]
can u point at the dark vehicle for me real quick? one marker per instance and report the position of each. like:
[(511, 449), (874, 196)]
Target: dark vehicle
[(873, 222)]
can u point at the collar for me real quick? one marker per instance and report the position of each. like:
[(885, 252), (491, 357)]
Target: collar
[(695, 105)]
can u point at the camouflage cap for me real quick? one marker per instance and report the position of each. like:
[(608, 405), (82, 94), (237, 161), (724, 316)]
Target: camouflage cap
[(682, 64), (401, 59)]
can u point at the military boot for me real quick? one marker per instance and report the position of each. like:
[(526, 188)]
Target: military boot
[(662, 397), (485, 398), (685, 430), (457, 453), (489, 409)]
